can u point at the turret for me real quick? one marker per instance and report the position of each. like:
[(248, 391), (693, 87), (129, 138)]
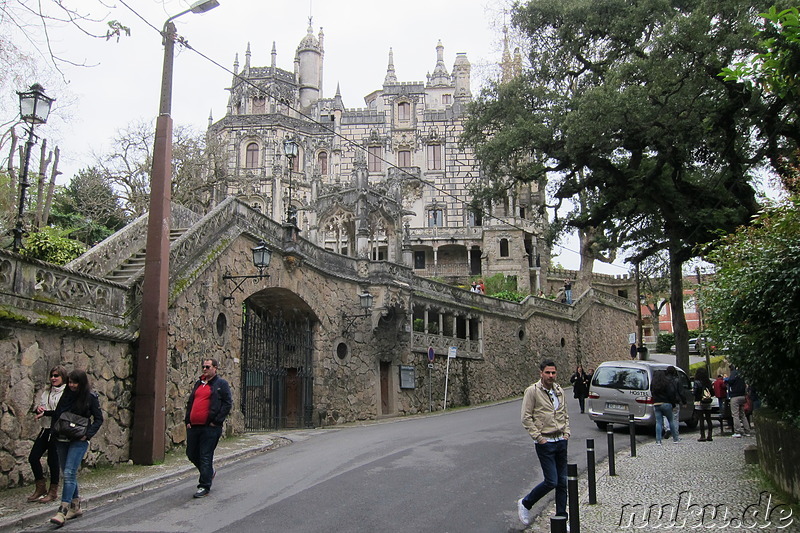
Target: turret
[(274, 56), (308, 65), (440, 75), (461, 76)]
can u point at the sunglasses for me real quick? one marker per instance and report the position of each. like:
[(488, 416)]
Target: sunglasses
[(55, 375), (206, 367)]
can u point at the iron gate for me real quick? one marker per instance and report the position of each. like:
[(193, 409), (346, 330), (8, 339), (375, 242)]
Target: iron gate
[(276, 370)]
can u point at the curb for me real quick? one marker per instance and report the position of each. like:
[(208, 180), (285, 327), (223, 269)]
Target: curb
[(39, 517)]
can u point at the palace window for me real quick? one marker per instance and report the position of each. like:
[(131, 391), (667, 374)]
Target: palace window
[(503, 247), (435, 217), (404, 158), (446, 99), (251, 156), (474, 218), (322, 163), (374, 159), (404, 111), (434, 157)]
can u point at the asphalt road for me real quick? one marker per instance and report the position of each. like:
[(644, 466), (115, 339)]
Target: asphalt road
[(460, 472)]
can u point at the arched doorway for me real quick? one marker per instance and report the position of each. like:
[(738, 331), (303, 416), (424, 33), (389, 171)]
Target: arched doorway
[(277, 369)]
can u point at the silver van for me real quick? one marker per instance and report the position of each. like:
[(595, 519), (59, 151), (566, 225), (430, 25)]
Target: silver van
[(622, 388)]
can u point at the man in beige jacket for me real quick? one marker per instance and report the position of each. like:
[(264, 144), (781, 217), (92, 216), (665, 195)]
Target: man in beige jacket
[(544, 415)]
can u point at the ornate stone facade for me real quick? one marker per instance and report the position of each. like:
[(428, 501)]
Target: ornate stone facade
[(362, 175)]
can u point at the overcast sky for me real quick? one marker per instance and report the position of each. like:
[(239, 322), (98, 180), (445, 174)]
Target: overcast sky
[(123, 84)]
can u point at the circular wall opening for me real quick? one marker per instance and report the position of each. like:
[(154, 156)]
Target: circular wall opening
[(342, 350)]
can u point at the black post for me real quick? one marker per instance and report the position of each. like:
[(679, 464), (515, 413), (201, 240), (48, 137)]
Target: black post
[(558, 524), (612, 468), (572, 491), (590, 471), (632, 428)]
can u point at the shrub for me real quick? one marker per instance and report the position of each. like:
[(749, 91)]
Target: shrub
[(665, 342)]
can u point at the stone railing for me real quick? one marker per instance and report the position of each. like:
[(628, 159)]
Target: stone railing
[(52, 296), (465, 348)]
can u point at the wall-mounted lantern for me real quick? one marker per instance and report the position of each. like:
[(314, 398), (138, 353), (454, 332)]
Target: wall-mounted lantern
[(261, 258)]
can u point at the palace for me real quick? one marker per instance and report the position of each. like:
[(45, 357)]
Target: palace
[(386, 182)]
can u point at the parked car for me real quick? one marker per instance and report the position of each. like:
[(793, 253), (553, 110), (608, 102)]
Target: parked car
[(622, 388), (696, 345)]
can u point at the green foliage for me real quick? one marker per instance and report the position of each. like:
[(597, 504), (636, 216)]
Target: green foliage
[(777, 68), (753, 299), (499, 283), (512, 296), (50, 245), (665, 342)]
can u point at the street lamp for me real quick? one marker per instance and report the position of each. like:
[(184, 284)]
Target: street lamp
[(34, 108), (290, 151), (149, 424)]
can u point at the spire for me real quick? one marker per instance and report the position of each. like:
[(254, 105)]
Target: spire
[(506, 65), (337, 99), (274, 54), (440, 75), (236, 64), (247, 58), (210, 117), (390, 75)]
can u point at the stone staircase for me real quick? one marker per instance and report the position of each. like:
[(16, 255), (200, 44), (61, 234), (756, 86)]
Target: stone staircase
[(132, 266)]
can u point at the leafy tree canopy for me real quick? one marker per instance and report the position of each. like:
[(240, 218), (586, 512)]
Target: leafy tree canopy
[(753, 301)]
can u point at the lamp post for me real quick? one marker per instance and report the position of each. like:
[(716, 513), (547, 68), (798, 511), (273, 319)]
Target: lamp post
[(290, 151), (149, 424), (261, 259), (34, 108), (641, 348), (365, 300)]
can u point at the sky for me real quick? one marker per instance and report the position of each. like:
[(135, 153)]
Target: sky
[(122, 83)]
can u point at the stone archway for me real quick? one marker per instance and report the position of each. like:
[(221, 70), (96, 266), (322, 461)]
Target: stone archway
[(277, 369)]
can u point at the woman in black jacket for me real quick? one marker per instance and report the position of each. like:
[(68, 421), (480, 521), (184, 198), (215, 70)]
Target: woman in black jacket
[(703, 396), (79, 399), (580, 386)]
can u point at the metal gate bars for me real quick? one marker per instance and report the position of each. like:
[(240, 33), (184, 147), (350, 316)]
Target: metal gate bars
[(276, 370)]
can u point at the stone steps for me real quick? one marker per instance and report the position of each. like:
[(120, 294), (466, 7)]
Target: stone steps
[(135, 263)]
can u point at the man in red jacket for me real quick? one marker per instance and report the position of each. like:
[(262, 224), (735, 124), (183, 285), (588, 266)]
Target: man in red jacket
[(209, 404)]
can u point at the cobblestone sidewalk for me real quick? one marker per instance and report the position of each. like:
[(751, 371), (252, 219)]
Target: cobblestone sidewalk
[(686, 485)]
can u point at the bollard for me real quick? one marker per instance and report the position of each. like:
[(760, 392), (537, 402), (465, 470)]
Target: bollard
[(572, 491), (590, 471), (558, 524), (632, 428), (612, 468)]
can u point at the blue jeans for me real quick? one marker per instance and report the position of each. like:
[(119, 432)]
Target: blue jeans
[(660, 411), (568, 296), (70, 455), (201, 441), (553, 458)]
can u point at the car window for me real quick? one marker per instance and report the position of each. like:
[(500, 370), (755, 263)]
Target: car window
[(620, 378)]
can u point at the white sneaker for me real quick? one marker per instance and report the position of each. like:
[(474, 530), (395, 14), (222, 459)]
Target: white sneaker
[(737, 435), (524, 514)]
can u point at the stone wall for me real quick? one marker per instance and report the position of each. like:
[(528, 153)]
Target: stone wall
[(27, 356)]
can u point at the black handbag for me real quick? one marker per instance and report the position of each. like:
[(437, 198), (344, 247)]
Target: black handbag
[(71, 426)]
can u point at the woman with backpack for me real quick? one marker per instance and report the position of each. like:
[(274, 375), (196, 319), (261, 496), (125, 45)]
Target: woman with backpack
[(703, 398)]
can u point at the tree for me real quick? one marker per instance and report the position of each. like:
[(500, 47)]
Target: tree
[(625, 102), (753, 301), (88, 207), (128, 165)]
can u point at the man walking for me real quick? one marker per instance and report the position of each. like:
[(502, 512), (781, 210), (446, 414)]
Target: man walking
[(544, 415), (209, 404), (737, 391)]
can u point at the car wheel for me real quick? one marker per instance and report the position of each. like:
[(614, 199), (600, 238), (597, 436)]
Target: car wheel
[(692, 422), (601, 425)]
